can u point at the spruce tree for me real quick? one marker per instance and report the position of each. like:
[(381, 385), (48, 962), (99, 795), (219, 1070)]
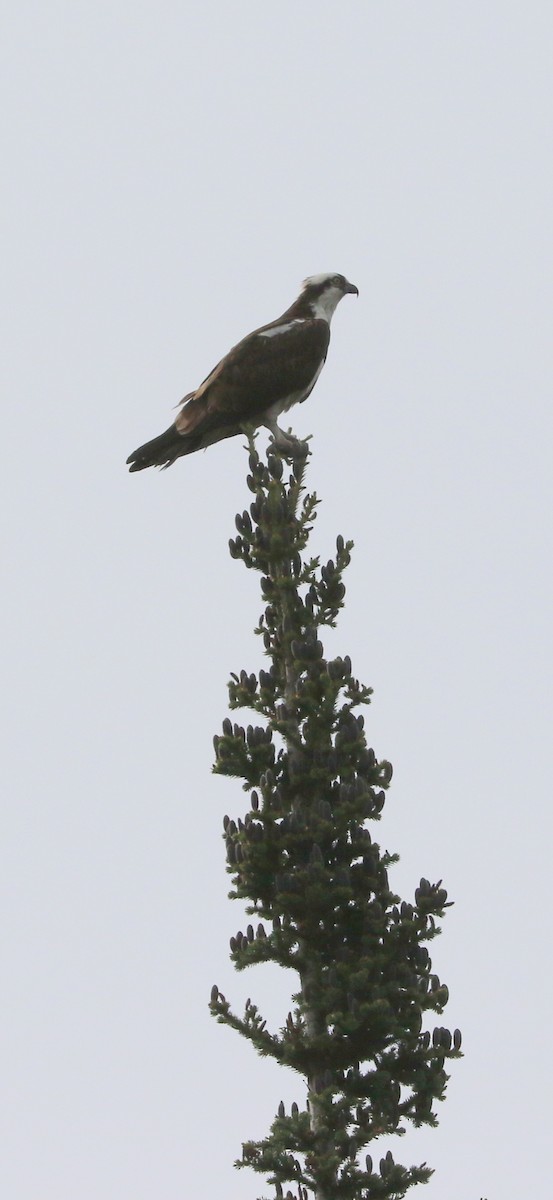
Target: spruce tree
[(315, 882)]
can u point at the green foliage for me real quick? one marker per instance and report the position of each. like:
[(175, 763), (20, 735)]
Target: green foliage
[(316, 882)]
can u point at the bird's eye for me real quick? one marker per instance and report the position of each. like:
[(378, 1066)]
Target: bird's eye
[(337, 281)]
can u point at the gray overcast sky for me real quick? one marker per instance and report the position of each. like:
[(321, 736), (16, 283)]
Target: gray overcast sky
[(170, 173)]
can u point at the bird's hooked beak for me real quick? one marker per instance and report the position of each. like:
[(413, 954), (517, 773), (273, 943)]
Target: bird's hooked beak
[(350, 288)]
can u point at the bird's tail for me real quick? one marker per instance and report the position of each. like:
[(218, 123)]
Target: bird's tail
[(162, 450)]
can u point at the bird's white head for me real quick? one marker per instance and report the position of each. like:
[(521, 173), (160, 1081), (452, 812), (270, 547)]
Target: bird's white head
[(324, 292)]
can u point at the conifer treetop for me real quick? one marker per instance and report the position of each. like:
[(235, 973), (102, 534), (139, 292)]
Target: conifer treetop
[(315, 883)]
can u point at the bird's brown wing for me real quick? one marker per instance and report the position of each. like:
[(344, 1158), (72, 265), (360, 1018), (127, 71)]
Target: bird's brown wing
[(259, 372)]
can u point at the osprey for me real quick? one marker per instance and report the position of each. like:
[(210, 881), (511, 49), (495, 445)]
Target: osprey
[(271, 369)]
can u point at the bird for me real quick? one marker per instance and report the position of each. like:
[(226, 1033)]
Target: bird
[(271, 369)]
